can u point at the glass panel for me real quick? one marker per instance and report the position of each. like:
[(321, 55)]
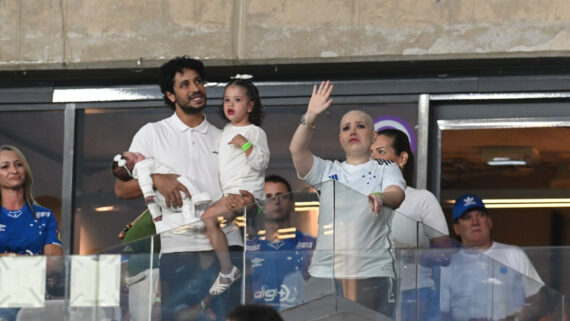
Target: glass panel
[(188, 270), (139, 287), (360, 261), (420, 252), (473, 284), (53, 305), (99, 215), (521, 173), (281, 239), (434, 252), (123, 281)]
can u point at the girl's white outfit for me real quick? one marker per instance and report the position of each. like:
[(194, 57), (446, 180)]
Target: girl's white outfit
[(241, 172)]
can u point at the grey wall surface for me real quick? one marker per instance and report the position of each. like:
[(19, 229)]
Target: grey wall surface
[(78, 34)]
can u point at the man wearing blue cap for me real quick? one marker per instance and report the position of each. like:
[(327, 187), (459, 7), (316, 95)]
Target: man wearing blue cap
[(485, 279)]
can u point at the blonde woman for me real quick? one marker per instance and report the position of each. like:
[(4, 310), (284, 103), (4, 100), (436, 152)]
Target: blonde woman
[(25, 227)]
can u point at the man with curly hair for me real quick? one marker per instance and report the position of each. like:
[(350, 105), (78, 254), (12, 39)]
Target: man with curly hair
[(187, 143)]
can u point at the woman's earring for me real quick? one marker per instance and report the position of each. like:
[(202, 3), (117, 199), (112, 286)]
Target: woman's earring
[(401, 165)]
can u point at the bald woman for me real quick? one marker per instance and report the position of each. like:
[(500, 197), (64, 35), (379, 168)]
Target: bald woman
[(357, 253)]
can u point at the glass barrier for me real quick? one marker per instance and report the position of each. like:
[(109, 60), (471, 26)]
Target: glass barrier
[(394, 267), (309, 254), (281, 238), (60, 288), (439, 279), (176, 284)]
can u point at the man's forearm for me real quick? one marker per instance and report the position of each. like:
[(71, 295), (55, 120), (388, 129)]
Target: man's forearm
[(127, 190)]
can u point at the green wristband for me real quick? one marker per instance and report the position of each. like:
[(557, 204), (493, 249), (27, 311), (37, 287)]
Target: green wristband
[(246, 146), (379, 195)]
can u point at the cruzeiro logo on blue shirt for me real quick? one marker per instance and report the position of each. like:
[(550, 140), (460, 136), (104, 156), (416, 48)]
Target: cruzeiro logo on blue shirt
[(43, 214)]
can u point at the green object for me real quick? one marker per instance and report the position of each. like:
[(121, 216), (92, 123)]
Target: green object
[(141, 228), (137, 243), (246, 146), (379, 195)]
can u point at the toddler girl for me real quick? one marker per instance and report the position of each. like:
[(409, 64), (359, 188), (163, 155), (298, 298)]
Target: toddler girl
[(243, 158)]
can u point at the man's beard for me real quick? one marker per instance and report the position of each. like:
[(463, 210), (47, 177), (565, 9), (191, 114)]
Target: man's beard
[(189, 110), (192, 110)]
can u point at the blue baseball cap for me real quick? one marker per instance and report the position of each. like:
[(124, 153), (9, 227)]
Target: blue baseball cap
[(465, 203)]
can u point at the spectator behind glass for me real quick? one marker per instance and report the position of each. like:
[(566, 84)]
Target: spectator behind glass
[(279, 261), (369, 267), (419, 205), (26, 228), (466, 293), (253, 312)]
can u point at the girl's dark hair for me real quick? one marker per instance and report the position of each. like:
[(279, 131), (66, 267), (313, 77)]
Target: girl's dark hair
[(169, 70), (401, 143), (256, 115)]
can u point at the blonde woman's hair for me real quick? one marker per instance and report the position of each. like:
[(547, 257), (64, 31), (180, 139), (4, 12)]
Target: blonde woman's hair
[(28, 196)]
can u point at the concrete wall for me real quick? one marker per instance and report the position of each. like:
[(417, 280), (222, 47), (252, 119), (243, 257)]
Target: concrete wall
[(72, 34)]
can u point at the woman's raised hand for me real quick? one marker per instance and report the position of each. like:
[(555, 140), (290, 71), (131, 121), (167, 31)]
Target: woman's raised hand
[(320, 99)]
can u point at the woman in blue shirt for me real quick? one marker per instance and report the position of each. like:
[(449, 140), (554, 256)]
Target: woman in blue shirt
[(25, 228)]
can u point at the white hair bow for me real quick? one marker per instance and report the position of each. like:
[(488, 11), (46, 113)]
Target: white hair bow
[(121, 162), (242, 76)]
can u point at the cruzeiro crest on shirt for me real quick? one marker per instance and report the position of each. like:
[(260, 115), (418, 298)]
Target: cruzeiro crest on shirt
[(384, 162)]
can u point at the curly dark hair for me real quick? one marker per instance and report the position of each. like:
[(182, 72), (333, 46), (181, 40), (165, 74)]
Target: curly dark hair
[(256, 115), (169, 70)]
